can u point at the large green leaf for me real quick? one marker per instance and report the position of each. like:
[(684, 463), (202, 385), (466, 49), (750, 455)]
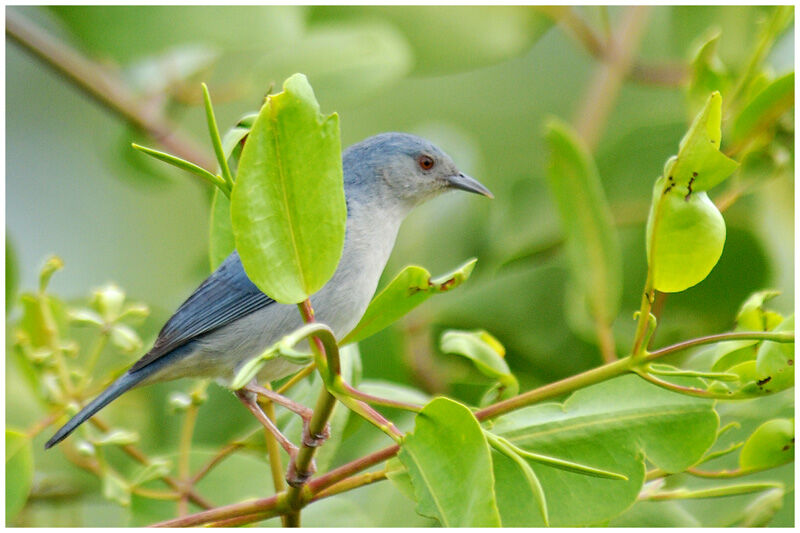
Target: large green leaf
[(450, 464), (612, 426), (407, 290), (586, 220), (287, 207), (19, 472), (685, 230)]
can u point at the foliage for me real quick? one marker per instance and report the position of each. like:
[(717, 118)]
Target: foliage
[(695, 433)]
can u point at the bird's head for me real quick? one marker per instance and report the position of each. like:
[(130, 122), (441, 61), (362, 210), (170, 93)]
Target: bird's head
[(403, 170)]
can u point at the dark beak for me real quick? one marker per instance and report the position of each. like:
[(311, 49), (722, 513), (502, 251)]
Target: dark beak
[(465, 183)]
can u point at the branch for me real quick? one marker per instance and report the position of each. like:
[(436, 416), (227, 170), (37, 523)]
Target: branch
[(103, 86), (257, 510)]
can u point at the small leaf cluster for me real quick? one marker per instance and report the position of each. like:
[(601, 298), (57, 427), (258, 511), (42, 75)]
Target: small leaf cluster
[(57, 346)]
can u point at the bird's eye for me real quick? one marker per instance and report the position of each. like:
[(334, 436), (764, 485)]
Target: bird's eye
[(426, 162)]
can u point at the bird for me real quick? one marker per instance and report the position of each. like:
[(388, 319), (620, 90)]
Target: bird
[(227, 320)]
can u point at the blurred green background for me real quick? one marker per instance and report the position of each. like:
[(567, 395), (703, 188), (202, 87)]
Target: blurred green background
[(478, 81)]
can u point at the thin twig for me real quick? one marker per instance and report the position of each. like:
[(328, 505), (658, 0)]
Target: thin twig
[(184, 450), (351, 483)]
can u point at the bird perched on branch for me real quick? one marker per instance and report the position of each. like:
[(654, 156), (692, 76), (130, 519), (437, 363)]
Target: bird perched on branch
[(228, 321)]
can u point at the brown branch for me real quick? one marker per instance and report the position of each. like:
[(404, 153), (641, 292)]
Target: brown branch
[(271, 506), (104, 87)]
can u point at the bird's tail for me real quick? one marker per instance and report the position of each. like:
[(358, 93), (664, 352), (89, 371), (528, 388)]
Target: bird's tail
[(121, 385)]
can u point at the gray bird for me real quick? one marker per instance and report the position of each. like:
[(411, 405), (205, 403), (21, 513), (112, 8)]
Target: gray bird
[(227, 321)]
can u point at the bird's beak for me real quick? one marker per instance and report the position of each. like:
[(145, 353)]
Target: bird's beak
[(465, 183)]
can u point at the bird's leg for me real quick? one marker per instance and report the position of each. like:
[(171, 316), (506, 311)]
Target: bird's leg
[(304, 412), (248, 398)]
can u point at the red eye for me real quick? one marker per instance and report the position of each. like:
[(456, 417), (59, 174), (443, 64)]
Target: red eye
[(426, 162)]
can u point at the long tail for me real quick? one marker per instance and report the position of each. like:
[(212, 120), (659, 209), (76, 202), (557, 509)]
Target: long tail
[(123, 384)]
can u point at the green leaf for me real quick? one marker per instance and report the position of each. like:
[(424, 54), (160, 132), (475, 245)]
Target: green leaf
[(398, 475), (157, 467), (51, 265), (592, 242), (116, 437), (115, 488), (287, 207), (503, 447), (770, 445), (182, 164), (613, 426), (407, 290), (685, 239), (450, 464), (685, 230), (764, 109), (235, 135), (213, 130), (700, 163), (125, 338), (220, 242), (85, 317), (19, 472), (485, 352), (478, 346), (775, 361), (752, 316), (283, 348)]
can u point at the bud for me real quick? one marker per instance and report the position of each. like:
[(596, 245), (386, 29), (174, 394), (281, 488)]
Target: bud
[(108, 301)]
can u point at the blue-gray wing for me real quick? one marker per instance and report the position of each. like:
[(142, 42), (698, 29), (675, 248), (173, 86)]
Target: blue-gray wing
[(225, 296)]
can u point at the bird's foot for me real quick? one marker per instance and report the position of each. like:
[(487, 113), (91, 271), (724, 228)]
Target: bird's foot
[(309, 439)]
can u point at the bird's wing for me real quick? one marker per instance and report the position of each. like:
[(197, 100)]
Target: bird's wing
[(225, 296)]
